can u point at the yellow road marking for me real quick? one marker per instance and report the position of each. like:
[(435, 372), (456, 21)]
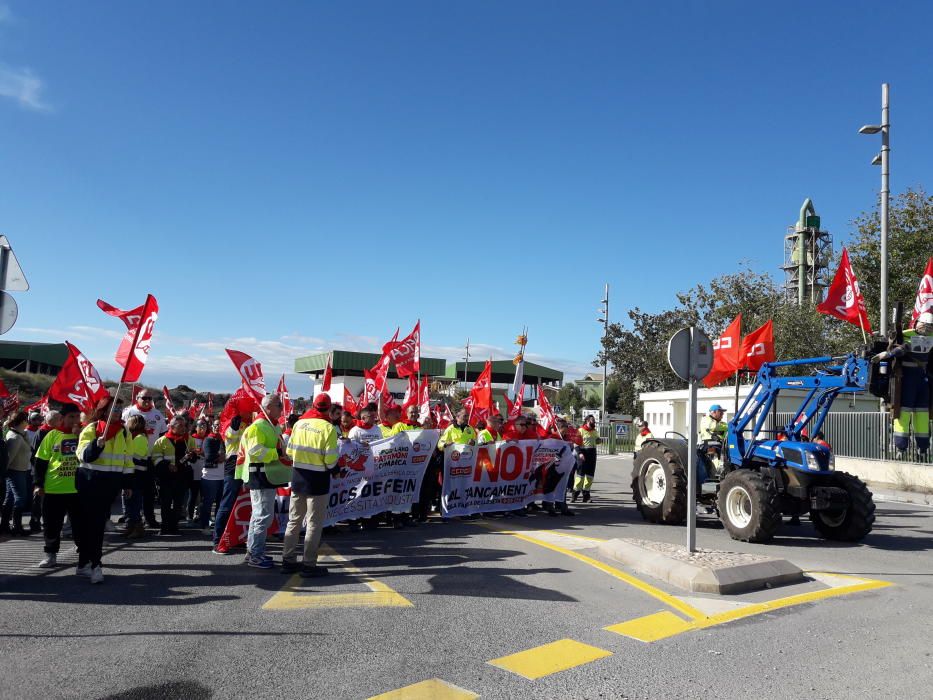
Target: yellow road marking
[(550, 658), (291, 597), (651, 628), (433, 689)]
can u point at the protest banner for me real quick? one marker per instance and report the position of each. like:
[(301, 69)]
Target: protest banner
[(383, 476), (504, 475)]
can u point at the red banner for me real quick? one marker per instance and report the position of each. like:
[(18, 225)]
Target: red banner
[(134, 348), (727, 350), (250, 372), (924, 301), (547, 413), (328, 373), (348, 403), (758, 347), (844, 300), (282, 391), (169, 406), (78, 382), (406, 353)]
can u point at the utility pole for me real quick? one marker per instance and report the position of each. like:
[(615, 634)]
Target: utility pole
[(883, 159), (466, 363), (604, 319)]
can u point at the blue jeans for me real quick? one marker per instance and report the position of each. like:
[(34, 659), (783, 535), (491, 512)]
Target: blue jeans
[(211, 490), (17, 490), (263, 503), (231, 490)]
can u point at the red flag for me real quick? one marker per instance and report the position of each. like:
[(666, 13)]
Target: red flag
[(134, 348), (328, 373), (844, 300), (240, 403), (348, 403), (924, 301), (238, 523), (424, 400), (193, 410), (411, 393), (547, 413), (78, 382), (726, 353), (135, 392), (250, 372), (286, 401), (4, 392), (379, 373), (515, 407), (9, 404), (169, 406), (481, 394), (758, 347), (467, 404), (42, 405), (444, 416), (406, 353)]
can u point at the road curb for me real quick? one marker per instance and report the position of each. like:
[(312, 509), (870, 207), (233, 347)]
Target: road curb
[(705, 571)]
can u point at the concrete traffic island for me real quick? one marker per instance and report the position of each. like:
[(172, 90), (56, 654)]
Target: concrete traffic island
[(703, 571)]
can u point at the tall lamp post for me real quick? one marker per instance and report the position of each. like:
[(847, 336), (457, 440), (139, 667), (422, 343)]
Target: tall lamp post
[(604, 319), (883, 159)]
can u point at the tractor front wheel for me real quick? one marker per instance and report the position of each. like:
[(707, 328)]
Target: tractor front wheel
[(659, 485), (852, 523), (747, 507)]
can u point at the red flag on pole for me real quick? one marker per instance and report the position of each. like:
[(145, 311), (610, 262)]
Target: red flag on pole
[(924, 301), (42, 406), (844, 300), (134, 348), (758, 347), (282, 391), (328, 373), (411, 393), (481, 395), (406, 353), (348, 403), (169, 406), (239, 403), (250, 372), (379, 373), (547, 413), (78, 382), (4, 392), (444, 416), (515, 407), (726, 353), (424, 399)]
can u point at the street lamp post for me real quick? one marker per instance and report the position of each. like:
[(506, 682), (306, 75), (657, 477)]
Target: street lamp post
[(604, 319), (883, 161)]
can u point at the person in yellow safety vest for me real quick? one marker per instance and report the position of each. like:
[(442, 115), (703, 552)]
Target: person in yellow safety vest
[(583, 482), (264, 468), (172, 456), (390, 417), (139, 445), (55, 466), (713, 429), (644, 434), (492, 433), (232, 485), (460, 432), (105, 466), (313, 451), (410, 421)]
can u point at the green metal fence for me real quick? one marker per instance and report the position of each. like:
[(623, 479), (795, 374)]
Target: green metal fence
[(611, 443)]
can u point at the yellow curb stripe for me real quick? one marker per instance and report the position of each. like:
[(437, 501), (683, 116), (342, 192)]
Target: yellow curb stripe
[(432, 689), (550, 658), (642, 586), (651, 628)]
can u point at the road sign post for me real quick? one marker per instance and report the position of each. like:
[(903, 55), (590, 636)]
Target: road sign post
[(690, 355), (13, 279)]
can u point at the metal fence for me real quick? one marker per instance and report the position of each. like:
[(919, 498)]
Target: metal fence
[(866, 435), (610, 442)]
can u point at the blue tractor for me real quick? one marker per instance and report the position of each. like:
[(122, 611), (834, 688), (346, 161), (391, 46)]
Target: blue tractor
[(751, 480)]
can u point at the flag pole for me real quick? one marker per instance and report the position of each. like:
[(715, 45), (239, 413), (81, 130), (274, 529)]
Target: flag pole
[(861, 326)]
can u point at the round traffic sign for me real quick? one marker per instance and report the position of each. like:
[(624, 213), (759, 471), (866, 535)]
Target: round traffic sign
[(690, 354), (8, 312)]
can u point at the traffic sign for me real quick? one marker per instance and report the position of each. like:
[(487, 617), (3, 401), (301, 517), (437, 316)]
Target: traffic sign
[(690, 354), (8, 312), (621, 430), (11, 274)]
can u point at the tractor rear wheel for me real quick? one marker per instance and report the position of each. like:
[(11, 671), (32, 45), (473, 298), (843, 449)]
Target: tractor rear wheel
[(747, 507), (659, 485), (852, 523)]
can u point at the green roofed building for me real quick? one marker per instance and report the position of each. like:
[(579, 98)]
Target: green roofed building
[(36, 358), (503, 372), (351, 364)]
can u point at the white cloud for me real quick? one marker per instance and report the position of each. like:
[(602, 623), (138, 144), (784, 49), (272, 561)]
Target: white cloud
[(24, 87)]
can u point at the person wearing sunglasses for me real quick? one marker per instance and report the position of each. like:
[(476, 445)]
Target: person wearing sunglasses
[(156, 426)]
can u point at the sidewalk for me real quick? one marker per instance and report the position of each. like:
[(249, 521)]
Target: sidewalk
[(883, 493)]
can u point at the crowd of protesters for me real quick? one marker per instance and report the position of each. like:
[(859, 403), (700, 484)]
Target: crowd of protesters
[(68, 470)]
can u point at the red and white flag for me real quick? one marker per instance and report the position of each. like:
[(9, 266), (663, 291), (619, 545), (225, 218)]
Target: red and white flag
[(515, 407), (78, 382), (240, 403), (328, 373), (727, 349), (193, 409), (42, 406), (282, 391), (547, 413), (844, 300), (444, 416), (380, 373), (370, 391), (424, 399), (924, 301), (250, 372), (169, 406), (238, 523), (481, 394), (758, 347), (406, 353), (348, 403), (411, 393), (210, 404), (134, 348)]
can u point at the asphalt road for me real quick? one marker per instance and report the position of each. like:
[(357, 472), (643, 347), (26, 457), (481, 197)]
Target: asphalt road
[(441, 601)]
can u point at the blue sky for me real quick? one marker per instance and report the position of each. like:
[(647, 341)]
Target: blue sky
[(291, 176)]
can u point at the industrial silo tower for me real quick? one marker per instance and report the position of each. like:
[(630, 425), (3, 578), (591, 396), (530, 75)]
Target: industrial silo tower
[(807, 253)]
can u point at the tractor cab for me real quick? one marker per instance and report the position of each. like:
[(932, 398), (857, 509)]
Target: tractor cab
[(808, 457)]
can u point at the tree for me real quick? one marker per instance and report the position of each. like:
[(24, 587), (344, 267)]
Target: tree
[(570, 397), (910, 243)]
